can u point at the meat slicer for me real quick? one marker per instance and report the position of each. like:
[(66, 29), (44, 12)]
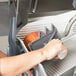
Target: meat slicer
[(20, 11)]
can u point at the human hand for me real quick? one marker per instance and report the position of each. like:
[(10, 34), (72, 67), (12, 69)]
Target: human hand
[(54, 48)]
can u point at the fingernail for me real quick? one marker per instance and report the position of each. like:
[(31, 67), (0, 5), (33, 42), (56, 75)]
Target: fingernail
[(62, 55)]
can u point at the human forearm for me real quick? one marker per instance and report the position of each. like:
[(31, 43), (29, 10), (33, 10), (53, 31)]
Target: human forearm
[(21, 63)]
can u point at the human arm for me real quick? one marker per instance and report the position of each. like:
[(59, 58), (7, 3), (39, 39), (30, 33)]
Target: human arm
[(2, 54), (21, 63)]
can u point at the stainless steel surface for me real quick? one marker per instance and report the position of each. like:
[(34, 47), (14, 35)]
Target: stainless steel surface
[(3, 43), (4, 19), (53, 69), (71, 27), (3, 0), (70, 72), (59, 20), (43, 5), (53, 5)]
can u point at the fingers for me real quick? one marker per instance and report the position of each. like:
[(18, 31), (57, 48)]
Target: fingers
[(63, 53), (55, 48), (63, 50)]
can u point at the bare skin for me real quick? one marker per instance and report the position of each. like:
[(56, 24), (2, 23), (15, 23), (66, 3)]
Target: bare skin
[(2, 54), (16, 65)]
